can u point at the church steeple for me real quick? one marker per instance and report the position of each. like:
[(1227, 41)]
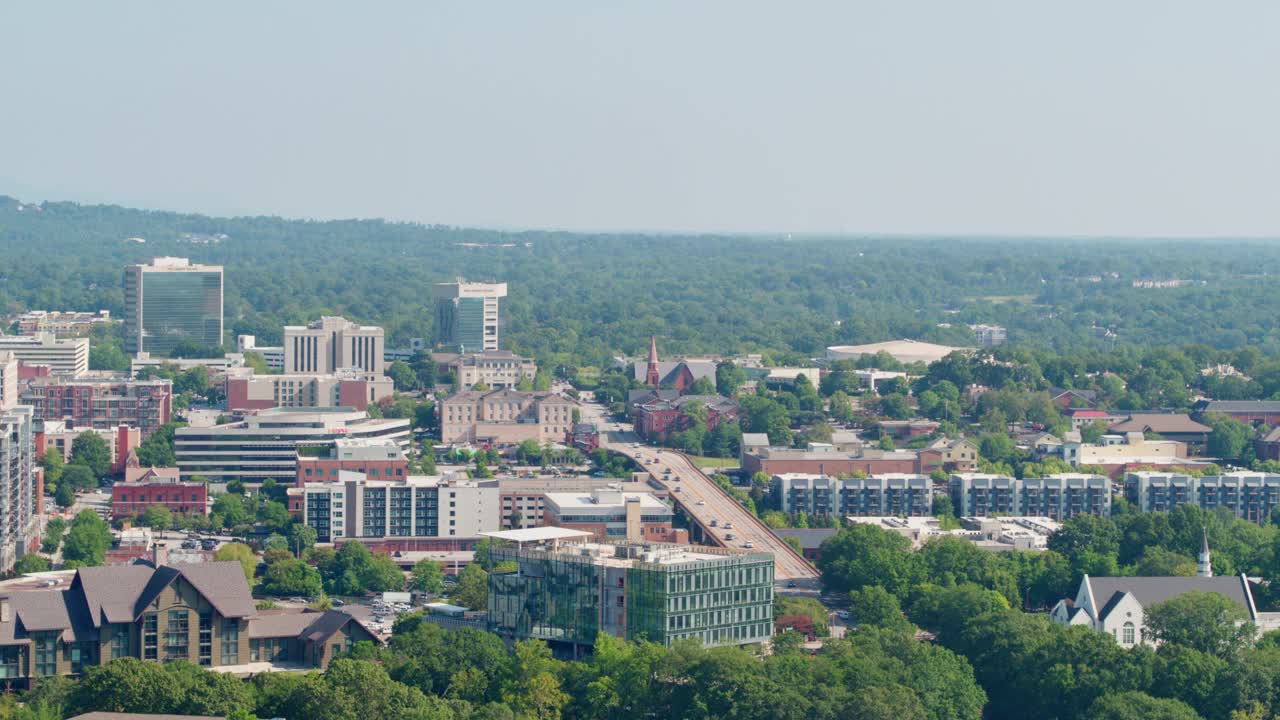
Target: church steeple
[(651, 377), (1205, 567)]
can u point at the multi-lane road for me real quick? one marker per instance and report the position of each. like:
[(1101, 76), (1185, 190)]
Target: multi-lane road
[(720, 517)]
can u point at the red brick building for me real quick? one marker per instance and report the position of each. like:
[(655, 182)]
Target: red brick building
[(376, 459), (776, 461), (101, 404), (156, 488), (658, 418)]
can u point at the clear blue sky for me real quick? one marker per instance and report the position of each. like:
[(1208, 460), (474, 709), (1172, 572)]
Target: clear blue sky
[(1138, 117)]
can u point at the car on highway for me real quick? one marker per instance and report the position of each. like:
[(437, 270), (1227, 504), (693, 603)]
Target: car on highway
[(792, 584), (702, 502), (716, 523), (748, 544), (728, 537), (728, 526)]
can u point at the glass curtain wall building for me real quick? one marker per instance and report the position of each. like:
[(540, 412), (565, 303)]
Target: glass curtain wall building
[(169, 302)]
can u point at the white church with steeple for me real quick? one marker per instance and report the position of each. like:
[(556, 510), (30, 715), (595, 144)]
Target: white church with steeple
[(1117, 605)]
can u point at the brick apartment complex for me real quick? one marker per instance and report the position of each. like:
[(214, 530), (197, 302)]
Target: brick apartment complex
[(101, 404), (505, 417), (609, 513), (375, 458)]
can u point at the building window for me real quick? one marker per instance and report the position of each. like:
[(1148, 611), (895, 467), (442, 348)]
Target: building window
[(10, 662), (206, 639), (46, 655), (119, 641), (230, 642), (176, 636), (1128, 634), (150, 637)]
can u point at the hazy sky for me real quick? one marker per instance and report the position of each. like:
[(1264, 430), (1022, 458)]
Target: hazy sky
[(1127, 117)]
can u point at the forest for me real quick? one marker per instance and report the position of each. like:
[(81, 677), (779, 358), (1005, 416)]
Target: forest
[(579, 299)]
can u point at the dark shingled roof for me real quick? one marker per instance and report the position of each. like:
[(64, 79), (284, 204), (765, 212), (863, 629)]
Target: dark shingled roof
[(112, 591), (1242, 406), (1152, 590), (1159, 423)]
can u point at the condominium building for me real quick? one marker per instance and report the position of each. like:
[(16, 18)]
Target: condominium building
[(565, 591), (610, 513), (101, 404), (505, 417), (349, 388), (984, 495), (900, 494), (18, 491), (356, 507), (524, 500), (63, 356), (201, 613), (266, 444), (468, 315), (1062, 496), (331, 344), (498, 369), (171, 301), (8, 379), (62, 323), (1251, 496)]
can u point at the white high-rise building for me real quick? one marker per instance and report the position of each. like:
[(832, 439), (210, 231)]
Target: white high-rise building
[(17, 468)]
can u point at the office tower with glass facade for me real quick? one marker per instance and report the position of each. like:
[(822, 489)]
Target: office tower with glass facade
[(468, 317), (566, 592), (171, 301)]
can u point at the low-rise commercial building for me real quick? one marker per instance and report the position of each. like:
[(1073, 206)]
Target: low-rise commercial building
[(826, 460), (266, 444), (354, 507), (201, 613), (101, 404), (63, 356), (216, 366), (341, 389), (498, 369), (610, 513), (899, 494), (151, 488), (565, 592), (505, 417)]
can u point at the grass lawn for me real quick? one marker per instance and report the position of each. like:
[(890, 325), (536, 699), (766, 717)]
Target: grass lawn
[(704, 463)]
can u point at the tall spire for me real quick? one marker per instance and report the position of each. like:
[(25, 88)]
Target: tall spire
[(651, 377), (1205, 567)]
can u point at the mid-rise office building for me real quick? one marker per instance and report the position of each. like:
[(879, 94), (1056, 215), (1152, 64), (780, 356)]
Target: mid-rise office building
[(505, 417), (101, 404), (331, 344), (566, 592), (349, 388), (356, 507), (499, 369), (900, 494), (984, 495), (272, 355), (171, 301), (468, 315), (610, 513), (266, 444), (63, 356)]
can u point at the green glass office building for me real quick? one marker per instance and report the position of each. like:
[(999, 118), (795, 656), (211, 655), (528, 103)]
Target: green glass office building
[(662, 593), (171, 301)]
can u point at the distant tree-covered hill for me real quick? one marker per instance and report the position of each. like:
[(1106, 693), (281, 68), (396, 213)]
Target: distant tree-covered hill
[(580, 298)]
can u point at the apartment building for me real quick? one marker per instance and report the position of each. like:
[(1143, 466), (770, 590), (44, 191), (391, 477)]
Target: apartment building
[(900, 494), (171, 301), (565, 591), (201, 613), (984, 495), (331, 344), (499, 369), (505, 417), (266, 444), (1063, 496), (525, 499), (62, 323), (8, 379), (356, 507), (19, 493), (101, 404), (469, 315), (610, 513), (56, 435), (1251, 496), (63, 356)]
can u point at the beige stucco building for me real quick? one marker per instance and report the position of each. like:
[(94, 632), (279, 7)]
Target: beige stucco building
[(505, 417)]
